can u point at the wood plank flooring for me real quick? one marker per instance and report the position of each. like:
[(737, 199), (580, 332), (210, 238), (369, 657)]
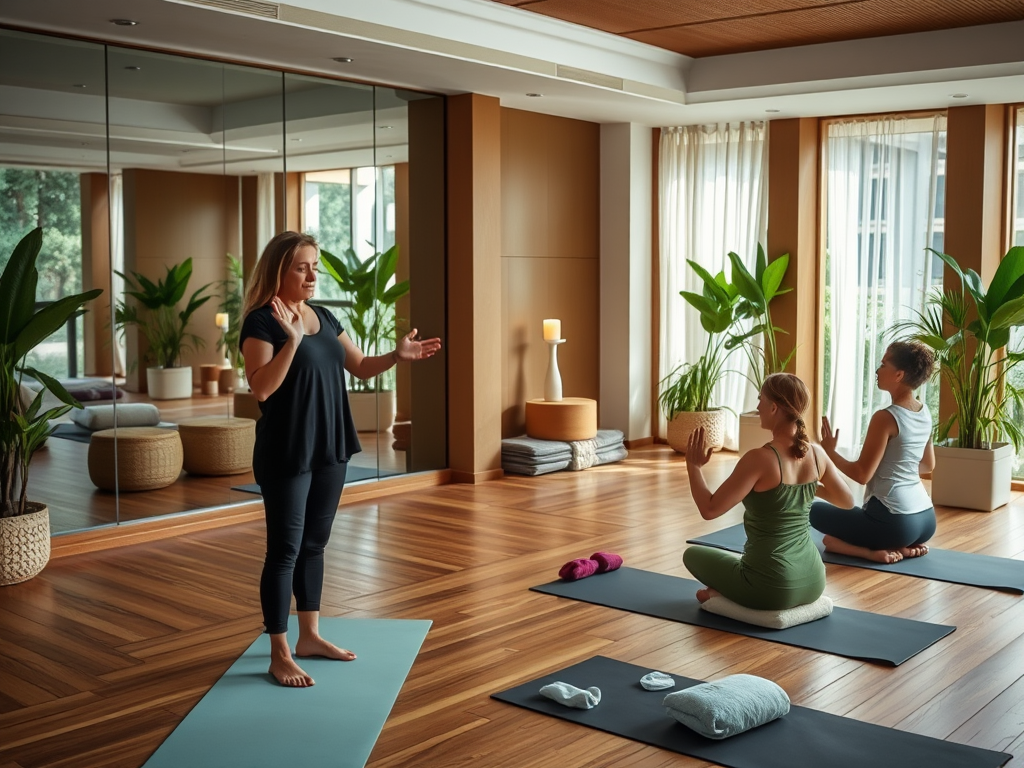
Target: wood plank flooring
[(103, 654)]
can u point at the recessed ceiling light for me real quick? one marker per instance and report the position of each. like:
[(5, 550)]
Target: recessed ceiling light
[(296, 139), (124, 22), (535, 95), (79, 85), (133, 68), (773, 110), (385, 127), (342, 59), (958, 95)]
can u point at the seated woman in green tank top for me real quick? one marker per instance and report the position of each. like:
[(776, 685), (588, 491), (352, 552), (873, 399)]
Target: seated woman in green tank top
[(780, 567)]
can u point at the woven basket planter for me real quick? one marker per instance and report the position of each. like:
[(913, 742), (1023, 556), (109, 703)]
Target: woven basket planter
[(24, 544), (683, 423)]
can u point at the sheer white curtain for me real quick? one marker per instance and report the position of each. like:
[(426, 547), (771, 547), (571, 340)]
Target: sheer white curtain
[(117, 259), (713, 199), (885, 206)]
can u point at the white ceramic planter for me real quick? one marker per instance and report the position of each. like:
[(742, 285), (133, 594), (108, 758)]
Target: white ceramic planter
[(169, 383), (752, 434), (372, 411), (680, 427), (972, 478)]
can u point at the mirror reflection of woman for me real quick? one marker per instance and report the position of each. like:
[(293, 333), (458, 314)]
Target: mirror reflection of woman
[(897, 517), (296, 356)]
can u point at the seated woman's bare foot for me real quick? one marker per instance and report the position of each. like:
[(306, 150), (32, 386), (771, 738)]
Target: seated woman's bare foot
[(886, 556), (914, 551), (317, 646), (288, 673), (706, 593)]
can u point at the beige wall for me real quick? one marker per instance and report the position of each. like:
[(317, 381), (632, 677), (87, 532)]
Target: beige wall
[(170, 217), (550, 169)]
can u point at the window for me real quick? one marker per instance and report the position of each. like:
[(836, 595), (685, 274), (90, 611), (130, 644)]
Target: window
[(885, 206), (1016, 376)]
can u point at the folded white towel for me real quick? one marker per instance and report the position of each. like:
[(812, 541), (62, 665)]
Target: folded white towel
[(728, 706)]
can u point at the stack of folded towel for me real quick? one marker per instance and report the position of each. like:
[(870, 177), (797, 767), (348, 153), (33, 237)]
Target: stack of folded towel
[(530, 456)]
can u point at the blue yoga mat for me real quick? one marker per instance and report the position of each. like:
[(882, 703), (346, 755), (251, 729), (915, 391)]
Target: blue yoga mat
[(948, 565), (249, 720)]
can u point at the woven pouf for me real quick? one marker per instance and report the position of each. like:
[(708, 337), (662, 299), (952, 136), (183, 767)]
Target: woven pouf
[(216, 445), (147, 458)]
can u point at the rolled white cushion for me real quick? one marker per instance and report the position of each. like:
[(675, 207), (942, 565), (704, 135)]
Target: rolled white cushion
[(728, 706), (787, 617), (95, 417)]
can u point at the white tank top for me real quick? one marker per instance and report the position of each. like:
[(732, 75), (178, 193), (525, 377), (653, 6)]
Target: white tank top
[(897, 483)]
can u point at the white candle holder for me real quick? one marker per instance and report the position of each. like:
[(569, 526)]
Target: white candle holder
[(553, 379)]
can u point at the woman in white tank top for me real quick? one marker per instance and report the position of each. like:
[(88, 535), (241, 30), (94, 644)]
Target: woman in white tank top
[(897, 517)]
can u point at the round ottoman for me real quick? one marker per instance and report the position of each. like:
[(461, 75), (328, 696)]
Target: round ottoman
[(147, 458), (217, 445)]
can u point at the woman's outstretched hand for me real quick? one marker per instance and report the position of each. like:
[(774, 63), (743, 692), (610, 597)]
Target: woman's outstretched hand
[(408, 348), (828, 438), (695, 453)]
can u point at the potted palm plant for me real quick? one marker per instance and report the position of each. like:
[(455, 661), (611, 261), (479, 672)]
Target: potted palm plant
[(686, 393), (156, 314), (24, 427), (969, 330), (371, 323), (758, 342)]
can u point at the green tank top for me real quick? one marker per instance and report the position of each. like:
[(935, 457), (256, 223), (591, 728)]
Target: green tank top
[(779, 546)]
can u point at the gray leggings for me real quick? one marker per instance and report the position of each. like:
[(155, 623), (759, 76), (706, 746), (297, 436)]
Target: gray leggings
[(873, 526)]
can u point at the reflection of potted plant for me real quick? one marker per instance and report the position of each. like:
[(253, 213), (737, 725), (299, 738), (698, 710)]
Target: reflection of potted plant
[(165, 327), (25, 525), (969, 330), (231, 305), (758, 342), (370, 321), (686, 393)]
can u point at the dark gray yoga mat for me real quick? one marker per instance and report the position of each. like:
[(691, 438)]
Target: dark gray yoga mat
[(353, 475), (69, 430), (804, 737), (854, 634), (248, 720), (939, 564)]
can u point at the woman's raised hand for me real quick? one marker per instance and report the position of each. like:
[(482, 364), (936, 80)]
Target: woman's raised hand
[(290, 321), (695, 453), (828, 438), (408, 348)]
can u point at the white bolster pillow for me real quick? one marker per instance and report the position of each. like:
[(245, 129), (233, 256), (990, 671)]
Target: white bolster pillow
[(728, 706), (787, 617), (95, 417)]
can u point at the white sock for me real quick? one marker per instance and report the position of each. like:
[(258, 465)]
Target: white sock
[(571, 696), (656, 681)]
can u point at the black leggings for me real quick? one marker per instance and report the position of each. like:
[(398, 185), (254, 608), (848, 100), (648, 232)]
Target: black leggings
[(873, 526), (300, 512)]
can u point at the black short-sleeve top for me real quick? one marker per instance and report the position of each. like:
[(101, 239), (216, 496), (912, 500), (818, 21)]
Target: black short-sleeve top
[(306, 423)]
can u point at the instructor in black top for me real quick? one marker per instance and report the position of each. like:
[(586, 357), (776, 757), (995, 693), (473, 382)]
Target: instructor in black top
[(296, 356)]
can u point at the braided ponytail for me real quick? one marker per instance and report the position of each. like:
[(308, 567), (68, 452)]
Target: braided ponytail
[(801, 444), (790, 394)]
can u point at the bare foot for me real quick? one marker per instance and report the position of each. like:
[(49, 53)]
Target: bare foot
[(317, 646), (917, 551), (288, 673), (706, 593), (884, 556)]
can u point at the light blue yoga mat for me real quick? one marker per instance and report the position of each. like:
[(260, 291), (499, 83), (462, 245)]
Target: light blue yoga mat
[(249, 720)]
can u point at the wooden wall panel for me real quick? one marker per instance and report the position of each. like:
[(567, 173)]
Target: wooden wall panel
[(550, 174), (99, 359)]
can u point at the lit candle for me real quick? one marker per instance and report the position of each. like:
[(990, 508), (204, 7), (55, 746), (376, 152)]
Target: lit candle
[(552, 330), (222, 320)]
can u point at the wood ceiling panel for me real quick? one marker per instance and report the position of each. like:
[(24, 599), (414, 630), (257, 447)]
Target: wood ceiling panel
[(714, 27), (621, 16)]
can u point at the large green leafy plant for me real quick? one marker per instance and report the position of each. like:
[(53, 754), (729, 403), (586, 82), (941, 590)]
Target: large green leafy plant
[(23, 429), (369, 319), (969, 330), (690, 386), (756, 293), (156, 314)]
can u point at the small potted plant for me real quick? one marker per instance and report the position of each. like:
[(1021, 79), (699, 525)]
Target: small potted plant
[(756, 293), (371, 323), (969, 330), (686, 393), (156, 314), (24, 427)]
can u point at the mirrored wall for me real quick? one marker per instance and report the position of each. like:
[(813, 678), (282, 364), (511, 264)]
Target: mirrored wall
[(146, 169)]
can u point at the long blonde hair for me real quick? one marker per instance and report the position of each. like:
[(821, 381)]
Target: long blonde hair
[(790, 394), (276, 259)]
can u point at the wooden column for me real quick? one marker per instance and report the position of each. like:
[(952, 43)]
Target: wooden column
[(474, 287), (96, 323), (975, 231), (403, 395), (793, 203), (250, 216)]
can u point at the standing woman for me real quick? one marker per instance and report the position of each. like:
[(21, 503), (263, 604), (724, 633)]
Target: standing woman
[(897, 517), (296, 356)]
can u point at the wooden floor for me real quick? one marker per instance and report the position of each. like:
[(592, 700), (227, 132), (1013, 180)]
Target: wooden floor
[(103, 654)]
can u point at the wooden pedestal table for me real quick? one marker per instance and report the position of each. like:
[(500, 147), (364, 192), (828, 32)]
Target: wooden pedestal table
[(209, 378), (568, 419)]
